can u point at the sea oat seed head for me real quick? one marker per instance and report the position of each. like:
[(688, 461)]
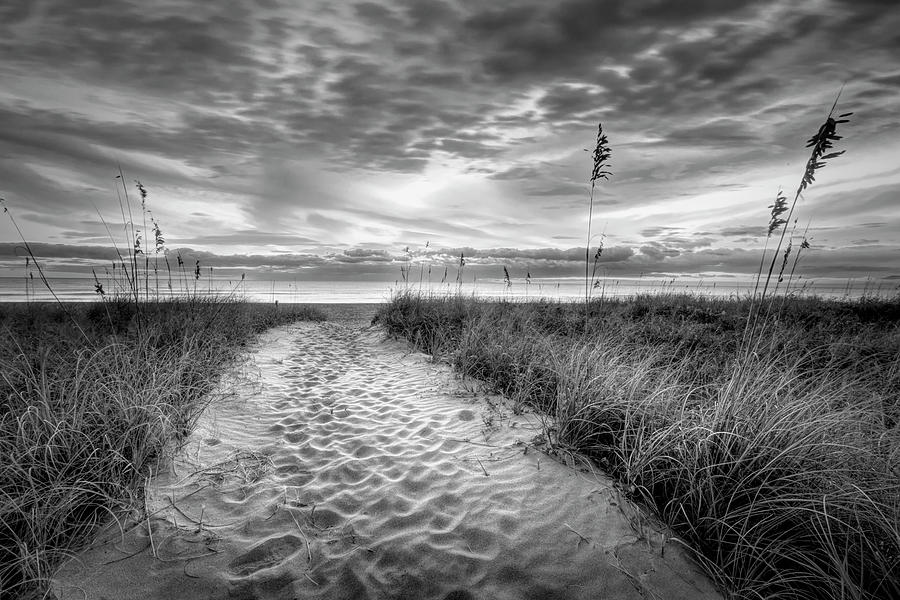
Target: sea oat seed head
[(601, 155), (779, 208)]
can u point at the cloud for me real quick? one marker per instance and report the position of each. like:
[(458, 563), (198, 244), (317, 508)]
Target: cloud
[(717, 133), (166, 52), (858, 258), (247, 237), (10, 251), (377, 15), (662, 230), (738, 231), (365, 256)]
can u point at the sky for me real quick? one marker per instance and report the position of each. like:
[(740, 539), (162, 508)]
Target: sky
[(341, 140)]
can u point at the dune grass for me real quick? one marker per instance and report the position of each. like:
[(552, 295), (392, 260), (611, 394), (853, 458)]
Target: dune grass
[(779, 467), (92, 396)]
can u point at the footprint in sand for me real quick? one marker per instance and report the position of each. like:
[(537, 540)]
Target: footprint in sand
[(266, 554)]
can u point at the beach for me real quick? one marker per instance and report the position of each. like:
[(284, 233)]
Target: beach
[(347, 465)]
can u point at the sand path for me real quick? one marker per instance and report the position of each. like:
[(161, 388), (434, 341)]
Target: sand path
[(352, 468)]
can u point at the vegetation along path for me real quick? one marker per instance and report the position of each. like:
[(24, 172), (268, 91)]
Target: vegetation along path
[(351, 467)]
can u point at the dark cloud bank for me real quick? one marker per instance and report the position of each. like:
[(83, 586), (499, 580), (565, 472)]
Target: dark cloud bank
[(651, 260)]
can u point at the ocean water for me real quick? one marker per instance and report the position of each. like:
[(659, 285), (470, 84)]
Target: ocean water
[(82, 289)]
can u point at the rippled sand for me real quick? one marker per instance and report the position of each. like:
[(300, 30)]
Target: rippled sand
[(349, 467)]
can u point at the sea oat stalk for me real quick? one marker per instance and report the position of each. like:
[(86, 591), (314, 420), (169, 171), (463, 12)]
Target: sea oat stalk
[(601, 156), (820, 143)]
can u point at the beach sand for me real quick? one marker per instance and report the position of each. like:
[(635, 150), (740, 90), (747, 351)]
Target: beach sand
[(348, 467)]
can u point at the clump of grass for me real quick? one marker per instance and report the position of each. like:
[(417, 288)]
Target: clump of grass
[(90, 398), (783, 480), (92, 394), (781, 472)]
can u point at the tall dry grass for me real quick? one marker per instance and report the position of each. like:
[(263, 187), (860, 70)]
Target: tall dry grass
[(780, 470), (599, 170), (91, 399), (92, 396)]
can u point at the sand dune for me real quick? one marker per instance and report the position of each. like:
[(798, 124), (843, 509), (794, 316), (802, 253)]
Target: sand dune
[(349, 467)]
